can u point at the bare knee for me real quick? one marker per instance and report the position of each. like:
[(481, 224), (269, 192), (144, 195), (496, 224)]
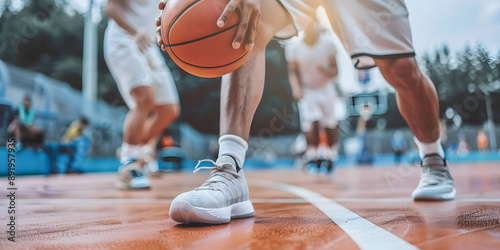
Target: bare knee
[(402, 73), (144, 98), (273, 18), (168, 113)]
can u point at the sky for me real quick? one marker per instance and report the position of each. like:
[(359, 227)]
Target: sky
[(456, 23)]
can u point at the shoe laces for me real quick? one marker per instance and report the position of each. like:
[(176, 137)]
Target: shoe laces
[(219, 175), (434, 175), (135, 174)]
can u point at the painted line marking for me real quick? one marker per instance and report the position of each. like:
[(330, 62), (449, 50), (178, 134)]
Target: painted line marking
[(364, 233)]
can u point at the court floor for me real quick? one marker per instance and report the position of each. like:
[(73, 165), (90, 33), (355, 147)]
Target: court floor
[(364, 207)]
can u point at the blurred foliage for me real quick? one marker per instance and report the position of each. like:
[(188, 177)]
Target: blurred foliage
[(459, 80), (47, 36), (462, 79)]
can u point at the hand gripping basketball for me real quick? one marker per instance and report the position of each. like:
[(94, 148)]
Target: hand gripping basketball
[(190, 31)]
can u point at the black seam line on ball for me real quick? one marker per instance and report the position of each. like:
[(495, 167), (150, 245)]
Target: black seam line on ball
[(202, 38), (210, 67), (198, 66), (179, 16)]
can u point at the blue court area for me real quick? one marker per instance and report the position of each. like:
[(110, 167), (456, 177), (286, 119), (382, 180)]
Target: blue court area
[(30, 162)]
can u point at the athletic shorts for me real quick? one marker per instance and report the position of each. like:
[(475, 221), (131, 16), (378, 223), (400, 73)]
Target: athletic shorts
[(317, 105), (131, 68), (368, 29)]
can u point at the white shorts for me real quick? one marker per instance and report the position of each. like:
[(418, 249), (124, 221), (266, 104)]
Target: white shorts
[(318, 105), (368, 29), (131, 69)]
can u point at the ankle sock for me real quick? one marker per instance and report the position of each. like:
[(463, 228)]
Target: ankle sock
[(232, 148)]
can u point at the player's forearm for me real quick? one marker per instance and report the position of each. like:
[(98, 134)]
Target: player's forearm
[(294, 75), (115, 12), (294, 81)]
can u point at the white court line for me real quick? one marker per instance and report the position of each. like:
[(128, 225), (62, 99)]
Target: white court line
[(478, 200), (364, 233)]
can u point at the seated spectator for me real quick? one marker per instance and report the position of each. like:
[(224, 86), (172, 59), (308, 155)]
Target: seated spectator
[(74, 143), (75, 130), (23, 129)]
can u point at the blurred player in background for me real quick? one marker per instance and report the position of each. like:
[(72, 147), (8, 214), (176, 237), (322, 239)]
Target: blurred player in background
[(313, 73), (375, 32), (145, 83)]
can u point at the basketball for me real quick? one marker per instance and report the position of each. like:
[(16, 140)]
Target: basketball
[(195, 42)]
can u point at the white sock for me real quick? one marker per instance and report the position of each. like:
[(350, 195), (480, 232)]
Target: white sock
[(129, 152), (323, 153), (429, 148), (153, 166), (232, 146), (311, 153), (147, 149), (332, 153)]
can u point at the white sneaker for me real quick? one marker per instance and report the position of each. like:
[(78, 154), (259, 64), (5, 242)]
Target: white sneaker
[(222, 197), (130, 176), (436, 182)]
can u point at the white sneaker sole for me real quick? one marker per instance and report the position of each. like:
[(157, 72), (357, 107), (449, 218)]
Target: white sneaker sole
[(134, 186), (435, 197), (183, 212)]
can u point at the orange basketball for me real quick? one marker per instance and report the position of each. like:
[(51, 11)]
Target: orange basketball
[(195, 42)]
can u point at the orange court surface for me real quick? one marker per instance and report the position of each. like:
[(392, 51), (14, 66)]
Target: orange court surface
[(363, 207)]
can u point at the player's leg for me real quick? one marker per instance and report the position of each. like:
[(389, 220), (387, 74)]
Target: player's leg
[(416, 96), (312, 137), (360, 33), (332, 140), (131, 173), (166, 105), (14, 130), (330, 124), (161, 118), (135, 121), (332, 136), (225, 194), (311, 114), (143, 105), (130, 69), (156, 123), (418, 103), (241, 93)]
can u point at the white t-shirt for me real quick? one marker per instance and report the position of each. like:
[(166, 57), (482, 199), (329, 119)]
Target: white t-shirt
[(141, 15), (311, 58)]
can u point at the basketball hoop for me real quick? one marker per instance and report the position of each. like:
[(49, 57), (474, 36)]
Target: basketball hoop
[(369, 104)]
